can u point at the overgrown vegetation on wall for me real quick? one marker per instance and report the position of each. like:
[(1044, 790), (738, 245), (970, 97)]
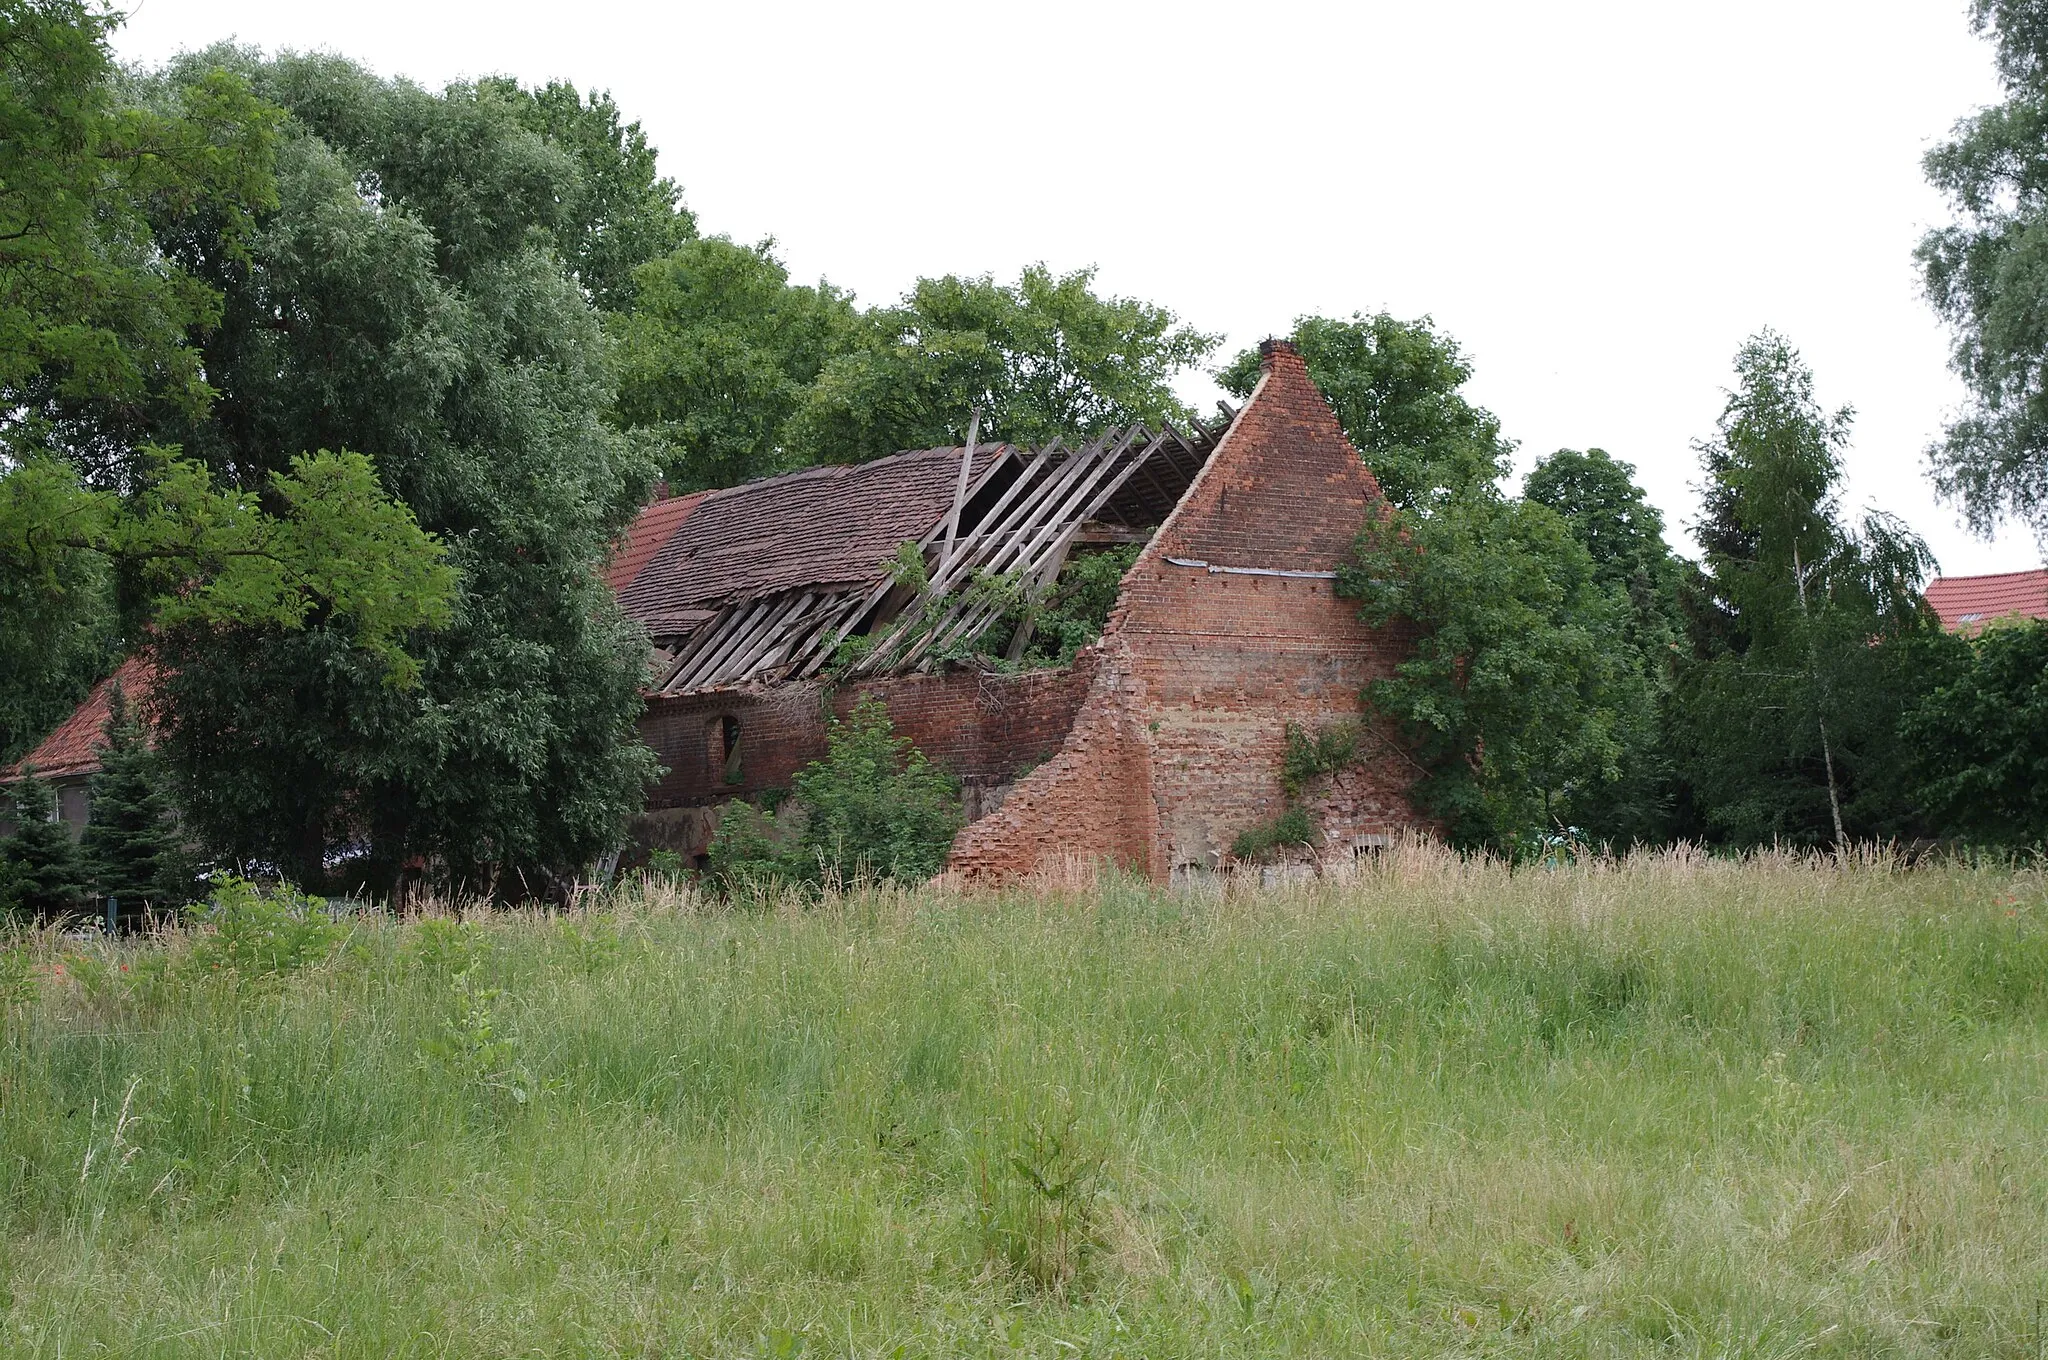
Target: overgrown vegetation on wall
[(874, 807)]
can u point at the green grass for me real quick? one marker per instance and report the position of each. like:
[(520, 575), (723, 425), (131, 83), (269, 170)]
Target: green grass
[(1672, 1107)]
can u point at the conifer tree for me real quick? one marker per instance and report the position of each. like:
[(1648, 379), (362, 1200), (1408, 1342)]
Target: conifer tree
[(132, 846), (42, 861)]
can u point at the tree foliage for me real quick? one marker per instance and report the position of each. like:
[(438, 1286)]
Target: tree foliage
[(1514, 702), (741, 373), (337, 546), (1516, 712), (97, 323), (1987, 274), (1396, 387), (718, 355), (621, 212), (408, 299), (88, 306), (1607, 513), (1788, 713), (1976, 735), (59, 632), (1044, 357)]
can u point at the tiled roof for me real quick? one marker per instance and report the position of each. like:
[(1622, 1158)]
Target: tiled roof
[(1967, 603), (73, 749), (645, 535), (823, 526)]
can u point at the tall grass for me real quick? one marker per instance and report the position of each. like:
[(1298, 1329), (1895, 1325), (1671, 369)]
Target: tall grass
[(1668, 1106)]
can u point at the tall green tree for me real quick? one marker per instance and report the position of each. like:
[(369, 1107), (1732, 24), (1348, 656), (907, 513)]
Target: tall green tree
[(409, 298), (1610, 517), (719, 352), (1788, 712), (1046, 356), (1986, 276), (132, 848)]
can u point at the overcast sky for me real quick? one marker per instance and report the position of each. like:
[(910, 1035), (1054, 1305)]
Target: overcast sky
[(1599, 200)]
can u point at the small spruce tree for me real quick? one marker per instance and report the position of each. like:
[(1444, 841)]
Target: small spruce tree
[(132, 847), (46, 879)]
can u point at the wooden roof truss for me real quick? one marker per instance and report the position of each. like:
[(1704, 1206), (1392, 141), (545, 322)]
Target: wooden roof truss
[(1022, 516)]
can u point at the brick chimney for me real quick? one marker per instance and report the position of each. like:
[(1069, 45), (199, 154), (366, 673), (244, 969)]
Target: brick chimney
[(1271, 351)]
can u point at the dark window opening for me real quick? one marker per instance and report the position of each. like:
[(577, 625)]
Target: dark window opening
[(722, 749)]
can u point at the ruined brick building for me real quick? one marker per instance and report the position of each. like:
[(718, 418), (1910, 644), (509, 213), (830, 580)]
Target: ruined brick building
[(774, 603)]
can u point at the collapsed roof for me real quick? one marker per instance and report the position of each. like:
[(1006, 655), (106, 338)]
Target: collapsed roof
[(762, 583)]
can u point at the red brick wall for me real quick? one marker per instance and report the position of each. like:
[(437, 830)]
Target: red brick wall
[(1086, 802), (1202, 670), (980, 727)]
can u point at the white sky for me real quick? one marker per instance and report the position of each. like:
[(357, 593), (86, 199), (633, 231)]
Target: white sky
[(1598, 199)]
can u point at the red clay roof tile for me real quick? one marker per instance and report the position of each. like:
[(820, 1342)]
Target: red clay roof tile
[(73, 750), (645, 535), (831, 526), (1967, 603)]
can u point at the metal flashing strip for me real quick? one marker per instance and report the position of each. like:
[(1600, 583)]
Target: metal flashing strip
[(1214, 570)]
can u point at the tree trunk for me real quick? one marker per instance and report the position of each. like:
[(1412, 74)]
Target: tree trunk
[(1827, 753)]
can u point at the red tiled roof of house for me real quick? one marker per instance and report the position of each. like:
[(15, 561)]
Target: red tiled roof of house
[(1967, 603), (823, 526), (645, 535), (74, 748)]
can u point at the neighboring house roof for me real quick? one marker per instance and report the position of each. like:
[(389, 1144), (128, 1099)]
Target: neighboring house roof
[(645, 535), (762, 582), (1967, 603), (73, 750)]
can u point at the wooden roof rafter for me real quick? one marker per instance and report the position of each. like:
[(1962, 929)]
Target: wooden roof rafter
[(1024, 513)]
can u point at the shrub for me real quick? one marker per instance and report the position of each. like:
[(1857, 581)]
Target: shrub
[(1037, 1206), (258, 933), (1318, 754), (1292, 827), (873, 806)]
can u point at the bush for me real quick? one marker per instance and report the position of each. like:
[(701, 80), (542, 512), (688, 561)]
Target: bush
[(1977, 738), (258, 933), (874, 806), (1293, 827)]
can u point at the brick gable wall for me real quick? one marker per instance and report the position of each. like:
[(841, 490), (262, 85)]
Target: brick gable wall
[(1210, 654)]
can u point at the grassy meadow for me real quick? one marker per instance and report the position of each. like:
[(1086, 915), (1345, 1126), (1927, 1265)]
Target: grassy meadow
[(1670, 1106)]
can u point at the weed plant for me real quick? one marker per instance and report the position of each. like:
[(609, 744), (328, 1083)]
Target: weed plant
[(1665, 1106)]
